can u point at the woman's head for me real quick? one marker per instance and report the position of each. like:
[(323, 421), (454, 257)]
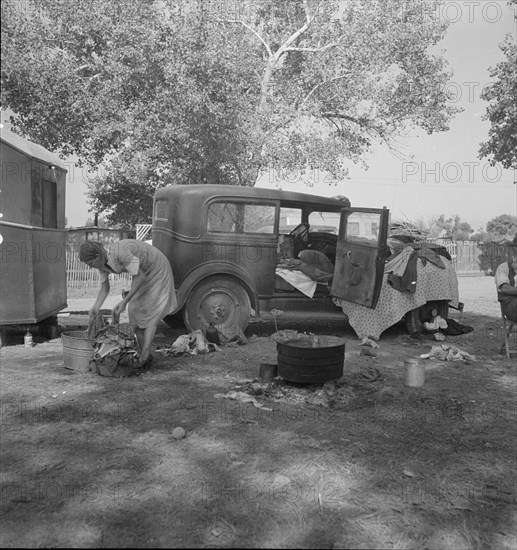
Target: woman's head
[(93, 254)]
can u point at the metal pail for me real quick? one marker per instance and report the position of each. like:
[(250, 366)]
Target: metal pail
[(77, 350)]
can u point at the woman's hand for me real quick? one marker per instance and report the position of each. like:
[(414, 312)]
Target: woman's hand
[(93, 311), (119, 308)]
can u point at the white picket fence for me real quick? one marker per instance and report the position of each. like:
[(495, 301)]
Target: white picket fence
[(143, 231)]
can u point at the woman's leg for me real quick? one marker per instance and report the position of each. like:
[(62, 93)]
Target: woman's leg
[(145, 337)]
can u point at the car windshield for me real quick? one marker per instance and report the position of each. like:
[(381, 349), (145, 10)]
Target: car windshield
[(324, 221)]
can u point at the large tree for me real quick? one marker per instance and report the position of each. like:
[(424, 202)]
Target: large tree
[(501, 94), (168, 91), (499, 229)]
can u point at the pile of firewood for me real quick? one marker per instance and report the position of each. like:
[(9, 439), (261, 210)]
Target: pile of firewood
[(406, 229)]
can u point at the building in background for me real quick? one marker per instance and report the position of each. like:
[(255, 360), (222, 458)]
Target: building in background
[(105, 235)]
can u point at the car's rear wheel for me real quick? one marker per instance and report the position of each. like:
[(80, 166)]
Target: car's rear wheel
[(416, 318), (220, 300)]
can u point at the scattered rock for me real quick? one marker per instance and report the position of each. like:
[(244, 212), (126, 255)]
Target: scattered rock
[(178, 433), (329, 388)]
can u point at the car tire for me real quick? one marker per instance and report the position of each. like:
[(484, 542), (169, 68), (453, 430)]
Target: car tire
[(416, 318), (220, 300)]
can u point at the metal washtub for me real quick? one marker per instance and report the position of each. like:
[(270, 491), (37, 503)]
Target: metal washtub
[(310, 362)]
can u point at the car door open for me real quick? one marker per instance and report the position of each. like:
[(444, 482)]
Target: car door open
[(360, 255)]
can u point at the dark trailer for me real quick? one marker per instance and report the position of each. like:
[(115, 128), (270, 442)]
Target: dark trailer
[(32, 232)]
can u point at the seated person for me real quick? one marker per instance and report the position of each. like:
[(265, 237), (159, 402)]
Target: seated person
[(506, 283)]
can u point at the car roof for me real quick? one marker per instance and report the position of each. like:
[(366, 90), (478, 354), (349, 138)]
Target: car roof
[(288, 198)]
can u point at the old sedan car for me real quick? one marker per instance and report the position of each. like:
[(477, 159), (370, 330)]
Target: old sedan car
[(238, 251), (227, 244)]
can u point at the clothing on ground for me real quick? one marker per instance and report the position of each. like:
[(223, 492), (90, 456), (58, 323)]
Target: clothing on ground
[(455, 329)]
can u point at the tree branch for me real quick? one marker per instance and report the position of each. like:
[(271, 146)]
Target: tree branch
[(360, 122), (250, 29), (322, 49), (285, 46), (322, 84)]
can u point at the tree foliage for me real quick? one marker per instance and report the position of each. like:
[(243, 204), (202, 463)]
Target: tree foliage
[(451, 227), (492, 241), (165, 91), (499, 229), (501, 146)]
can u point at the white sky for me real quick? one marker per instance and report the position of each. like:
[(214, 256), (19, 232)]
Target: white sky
[(442, 174)]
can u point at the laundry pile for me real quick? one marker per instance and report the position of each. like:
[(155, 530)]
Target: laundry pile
[(95, 324), (448, 353), (192, 344), (401, 266), (116, 351)]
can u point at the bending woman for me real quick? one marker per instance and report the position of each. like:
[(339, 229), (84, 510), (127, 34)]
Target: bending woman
[(152, 295)]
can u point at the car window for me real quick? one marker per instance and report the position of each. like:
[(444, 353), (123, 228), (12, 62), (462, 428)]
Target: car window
[(289, 219), (363, 228), (161, 210), (327, 222), (240, 217)]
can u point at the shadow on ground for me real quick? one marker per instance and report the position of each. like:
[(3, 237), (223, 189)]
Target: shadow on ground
[(90, 461)]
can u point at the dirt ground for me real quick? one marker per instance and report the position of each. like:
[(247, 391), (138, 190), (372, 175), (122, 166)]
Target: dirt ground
[(361, 463)]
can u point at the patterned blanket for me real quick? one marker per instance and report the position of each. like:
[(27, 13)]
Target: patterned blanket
[(433, 283)]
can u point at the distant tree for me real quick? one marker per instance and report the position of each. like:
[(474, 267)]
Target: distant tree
[(452, 228), (504, 225), (492, 254), (501, 146), (491, 241), (499, 229)]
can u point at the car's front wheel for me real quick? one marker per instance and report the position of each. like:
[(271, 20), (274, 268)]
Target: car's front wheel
[(220, 300)]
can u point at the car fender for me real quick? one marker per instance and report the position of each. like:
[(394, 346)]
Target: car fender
[(210, 269)]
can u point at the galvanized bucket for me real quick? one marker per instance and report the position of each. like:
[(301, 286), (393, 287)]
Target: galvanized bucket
[(77, 350)]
